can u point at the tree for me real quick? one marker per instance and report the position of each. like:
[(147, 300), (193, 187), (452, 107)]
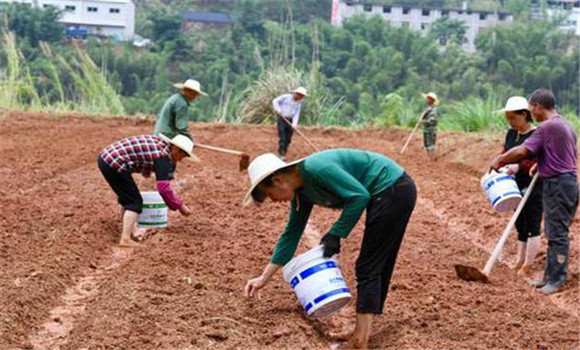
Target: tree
[(446, 30), (33, 23), (165, 26)]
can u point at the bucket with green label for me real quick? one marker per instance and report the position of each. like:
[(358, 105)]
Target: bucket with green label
[(154, 212)]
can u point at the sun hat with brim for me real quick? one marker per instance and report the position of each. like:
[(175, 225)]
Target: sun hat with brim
[(183, 142), (301, 90), (433, 96), (515, 103), (191, 84), (262, 167)]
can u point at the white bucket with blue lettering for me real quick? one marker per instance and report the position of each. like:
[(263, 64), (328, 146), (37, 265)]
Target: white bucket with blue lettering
[(154, 212), (317, 282), (502, 191)]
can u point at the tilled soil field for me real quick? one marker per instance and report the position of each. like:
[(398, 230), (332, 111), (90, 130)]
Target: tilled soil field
[(64, 284)]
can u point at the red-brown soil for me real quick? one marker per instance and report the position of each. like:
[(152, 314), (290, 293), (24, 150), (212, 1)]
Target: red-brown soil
[(63, 285)]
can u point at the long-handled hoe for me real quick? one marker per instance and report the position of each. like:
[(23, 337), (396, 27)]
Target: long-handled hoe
[(244, 158), (469, 273)]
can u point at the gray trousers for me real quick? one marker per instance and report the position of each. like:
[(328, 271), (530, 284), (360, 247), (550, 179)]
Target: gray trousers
[(560, 203)]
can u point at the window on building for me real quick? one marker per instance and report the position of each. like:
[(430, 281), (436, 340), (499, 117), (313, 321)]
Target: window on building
[(386, 9), (92, 9), (502, 16), (70, 8), (424, 26), (444, 12), (112, 10), (482, 16), (406, 24), (425, 12), (406, 10), (368, 7)]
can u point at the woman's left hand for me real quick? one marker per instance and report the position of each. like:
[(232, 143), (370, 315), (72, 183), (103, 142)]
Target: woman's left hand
[(511, 169), (253, 286)]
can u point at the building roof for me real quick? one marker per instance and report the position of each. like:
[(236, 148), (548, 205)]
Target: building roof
[(444, 8), (209, 17)]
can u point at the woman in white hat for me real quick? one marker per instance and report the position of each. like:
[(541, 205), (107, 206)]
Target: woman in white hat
[(354, 181), (143, 154), (288, 107), (519, 117), (172, 119), (429, 120)]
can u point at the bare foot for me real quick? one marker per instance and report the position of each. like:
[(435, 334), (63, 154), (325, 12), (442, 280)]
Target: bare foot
[(526, 271), (128, 243), (140, 234), (353, 343)]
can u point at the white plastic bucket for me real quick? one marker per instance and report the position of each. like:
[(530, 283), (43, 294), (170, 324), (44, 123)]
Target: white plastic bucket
[(154, 212), (317, 282), (502, 191)]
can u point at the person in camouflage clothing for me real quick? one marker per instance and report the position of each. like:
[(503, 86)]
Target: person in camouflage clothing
[(429, 120)]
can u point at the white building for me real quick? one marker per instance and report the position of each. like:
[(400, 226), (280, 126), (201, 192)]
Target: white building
[(103, 17), (567, 10), (420, 18)]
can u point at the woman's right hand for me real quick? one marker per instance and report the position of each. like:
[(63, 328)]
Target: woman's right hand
[(184, 210), (254, 285)]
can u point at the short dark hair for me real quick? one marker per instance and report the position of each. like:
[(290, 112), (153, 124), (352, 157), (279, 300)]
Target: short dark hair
[(260, 196), (527, 113), (544, 98)]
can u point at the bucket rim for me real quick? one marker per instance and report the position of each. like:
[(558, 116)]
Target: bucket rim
[(291, 267)]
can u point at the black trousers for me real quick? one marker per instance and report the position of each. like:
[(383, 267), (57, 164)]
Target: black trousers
[(285, 132), (387, 216), (529, 221), (124, 186), (560, 205)]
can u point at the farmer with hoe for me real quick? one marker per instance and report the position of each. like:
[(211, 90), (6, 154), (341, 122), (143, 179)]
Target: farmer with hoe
[(519, 118), (351, 180), (287, 108), (554, 142), (143, 154), (429, 119), (172, 119)]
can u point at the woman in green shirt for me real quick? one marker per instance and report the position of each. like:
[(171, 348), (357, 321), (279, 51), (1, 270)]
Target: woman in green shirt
[(352, 180)]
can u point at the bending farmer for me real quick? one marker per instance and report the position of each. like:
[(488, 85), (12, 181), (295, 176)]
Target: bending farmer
[(353, 181), (143, 154)]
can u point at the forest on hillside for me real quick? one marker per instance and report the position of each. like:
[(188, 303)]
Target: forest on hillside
[(365, 72)]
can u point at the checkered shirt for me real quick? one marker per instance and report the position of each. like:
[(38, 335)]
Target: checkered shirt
[(135, 154)]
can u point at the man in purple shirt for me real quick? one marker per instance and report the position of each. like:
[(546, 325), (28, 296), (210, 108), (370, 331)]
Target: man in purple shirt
[(554, 142)]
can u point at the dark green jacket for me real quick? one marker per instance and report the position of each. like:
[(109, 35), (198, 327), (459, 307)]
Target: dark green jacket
[(172, 119), (339, 178), (430, 119)]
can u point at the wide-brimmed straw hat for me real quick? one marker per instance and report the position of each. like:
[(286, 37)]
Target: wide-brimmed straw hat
[(262, 167), (515, 103), (433, 96), (183, 142), (301, 90), (191, 84)]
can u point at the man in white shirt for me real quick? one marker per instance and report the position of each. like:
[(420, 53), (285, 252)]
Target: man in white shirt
[(288, 107)]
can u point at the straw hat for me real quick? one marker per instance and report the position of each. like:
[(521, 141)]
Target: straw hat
[(515, 103), (191, 85), (301, 90), (262, 167), (183, 142), (433, 96)]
